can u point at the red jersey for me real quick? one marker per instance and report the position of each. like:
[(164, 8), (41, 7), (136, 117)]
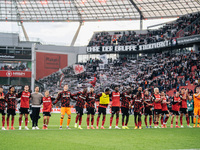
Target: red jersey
[(64, 96), (126, 99), (183, 101), (81, 99), (164, 104), (2, 102), (47, 104), (115, 99), (25, 98), (148, 100), (176, 103), (157, 105), (138, 104), (10, 100), (90, 100)]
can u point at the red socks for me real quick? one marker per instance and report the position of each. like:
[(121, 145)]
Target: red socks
[(92, 121), (117, 120), (161, 120), (103, 121), (181, 120), (88, 120), (98, 120), (12, 122), (20, 121), (77, 118), (80, 120), (145, 120), (150, 121), (166, 118), (3, 121), (26, 121)]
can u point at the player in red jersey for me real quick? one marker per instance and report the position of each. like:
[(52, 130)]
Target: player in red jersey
[(47, 107), (183, 107), (79, 106), (157, 106), (10, 98), (125, 106), (148, 108), (115, 107), (90, 107), (104, 100), (138, 106), (175, 108), (24, 106), (165, 110), (64, 96), (2, 107)]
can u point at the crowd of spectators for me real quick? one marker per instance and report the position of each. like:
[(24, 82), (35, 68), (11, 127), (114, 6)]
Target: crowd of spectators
[(165, 71), (16, 67), (167, 32)]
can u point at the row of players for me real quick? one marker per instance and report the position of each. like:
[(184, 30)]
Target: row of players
[(142, 103)]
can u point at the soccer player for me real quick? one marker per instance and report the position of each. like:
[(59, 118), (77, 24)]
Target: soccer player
[(79, 106), (148, 108), (64, 96), (183, 107), (157, 106), (165, 110), (115, 107), (36, 99), (196, 98), (175, 109), (24, 106), (125, 105), (47, 106), (90, 107), (2, 107), (138, 106), (190, 106), (10, 98), (104, 100)]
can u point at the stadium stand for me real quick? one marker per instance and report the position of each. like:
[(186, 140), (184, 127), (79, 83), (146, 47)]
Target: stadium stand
[(184, 26), (169, 73)]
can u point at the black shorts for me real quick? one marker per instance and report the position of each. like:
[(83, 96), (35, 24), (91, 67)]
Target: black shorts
[(147, 111), (183, 110), (3, 112), (125, 111), (175, 112), (79, 110), (102, 111), (11, 112), (191, 113), (138, 113), (115, 109), (157, 111), (47, 114), (24, 110), (91, 111), (165, 112)]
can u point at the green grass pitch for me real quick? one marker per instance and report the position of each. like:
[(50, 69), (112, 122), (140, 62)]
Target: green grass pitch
[(53, 138)]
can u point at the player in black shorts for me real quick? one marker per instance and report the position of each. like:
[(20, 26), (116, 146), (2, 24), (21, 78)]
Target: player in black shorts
[(2, 107), (148, 108), (90, 107)]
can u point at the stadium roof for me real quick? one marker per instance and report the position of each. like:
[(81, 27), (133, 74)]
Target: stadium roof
[(93, 10)]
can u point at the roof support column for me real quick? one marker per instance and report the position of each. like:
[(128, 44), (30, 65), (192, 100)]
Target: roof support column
[(141, 24), (76, 34), (24, 31)]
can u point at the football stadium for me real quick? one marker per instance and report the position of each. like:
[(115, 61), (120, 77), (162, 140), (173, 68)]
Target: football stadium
[(100, 74)]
